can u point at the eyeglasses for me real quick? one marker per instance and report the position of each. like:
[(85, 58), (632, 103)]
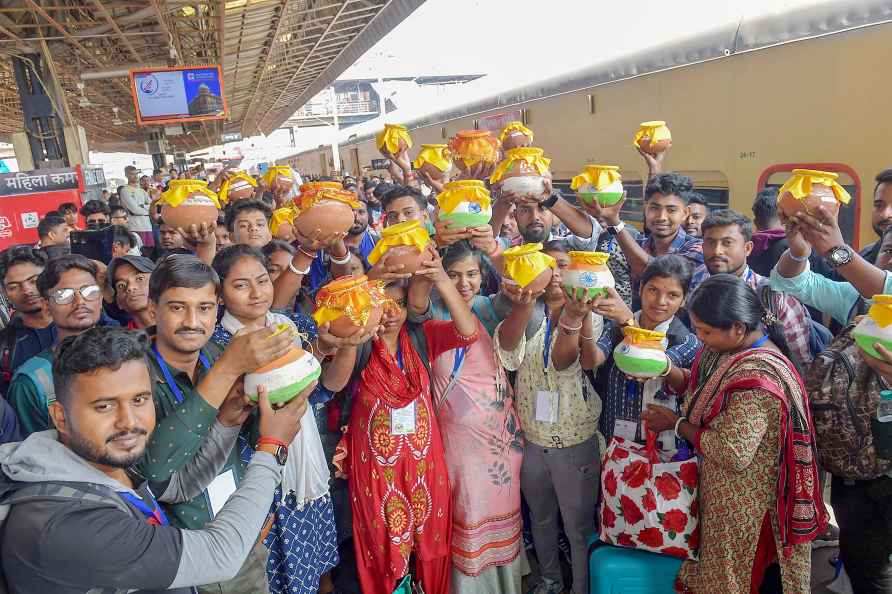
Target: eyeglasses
[(66, 295)]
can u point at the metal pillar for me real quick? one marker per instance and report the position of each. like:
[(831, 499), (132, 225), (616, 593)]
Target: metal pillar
[(42, 124), (336, 133)]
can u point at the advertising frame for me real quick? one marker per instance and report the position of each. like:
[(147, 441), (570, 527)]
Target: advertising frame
[(160, 121)]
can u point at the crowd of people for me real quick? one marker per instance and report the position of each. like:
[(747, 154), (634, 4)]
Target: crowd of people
[(134, 461)]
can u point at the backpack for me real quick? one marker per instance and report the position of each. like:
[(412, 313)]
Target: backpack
[(7, 356), (844, 393), (819, 335)]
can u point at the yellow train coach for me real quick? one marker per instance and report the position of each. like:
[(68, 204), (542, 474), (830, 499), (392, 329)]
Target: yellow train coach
[(746, 104)]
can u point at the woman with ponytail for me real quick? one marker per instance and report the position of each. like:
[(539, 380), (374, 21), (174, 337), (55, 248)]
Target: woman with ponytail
[(747, 416)]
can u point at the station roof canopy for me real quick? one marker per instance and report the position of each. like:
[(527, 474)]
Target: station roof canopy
[(275, 54)]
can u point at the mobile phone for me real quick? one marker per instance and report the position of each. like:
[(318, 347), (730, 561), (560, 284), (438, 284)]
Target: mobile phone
[(95, 244)]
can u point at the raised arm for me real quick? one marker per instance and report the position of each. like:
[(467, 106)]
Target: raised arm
[(511, 331), (432, 271)]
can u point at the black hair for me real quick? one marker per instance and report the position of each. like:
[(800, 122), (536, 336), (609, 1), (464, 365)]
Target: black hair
[(100, 347), (463, 249), (765, 207), (228, 256), (691, 197), (236, 208), (883, 177), (726, 217), (723, 299), (48, 223), (156, 171), (122, 235), (53, 213), (56, 267), (557, 245), (221, 219), (180, 271), (397, 192), (113, 208), (277, 245), (668, 184), (382, 188), (20, 254), (67, 207), (93, 207), (669, 266)]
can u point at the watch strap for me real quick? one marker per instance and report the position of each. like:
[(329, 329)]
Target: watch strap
[(271, 441), (617, 229), (550, 201)]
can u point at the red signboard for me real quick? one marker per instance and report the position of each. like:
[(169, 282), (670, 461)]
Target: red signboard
[(20, 214), (495, 122)]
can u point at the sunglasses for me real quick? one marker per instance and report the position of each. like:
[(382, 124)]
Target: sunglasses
[(66, 296)]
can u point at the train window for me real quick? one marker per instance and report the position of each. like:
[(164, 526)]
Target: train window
[(775, 176)]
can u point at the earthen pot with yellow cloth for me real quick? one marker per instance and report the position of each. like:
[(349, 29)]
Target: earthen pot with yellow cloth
[(393, 140), (236, 185), (470, 147), (279, 179), (808, 189), (653, 137), (515, 135), (464, 203), (434, 160), (523, 172), (598, 182), (641, 353), (189, 202), (587, 275), (528, 266), (407, 244), (282, 223), (286, 377), (328, 210), (350, 304)]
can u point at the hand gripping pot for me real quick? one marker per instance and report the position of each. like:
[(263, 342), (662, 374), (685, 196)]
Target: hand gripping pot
[(328, 211), (469, 147), (528, 266), (807, 189), (279, 179), (599, 182), (236, 186), (282, 223), (876, 326), (393, 140), (350, 304), (653, 137), (286, 377), (434, 159), (407, 243), (464, 203), (189, 202), (523, 172), (587, 275), (642, 353), (515, 135)]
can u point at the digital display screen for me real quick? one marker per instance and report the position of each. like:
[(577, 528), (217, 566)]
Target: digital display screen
[(168, 95)]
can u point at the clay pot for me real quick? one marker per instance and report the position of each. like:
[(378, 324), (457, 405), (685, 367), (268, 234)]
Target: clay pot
[(195, 210), (433, 171), (281, 184), (516, 139), (541, 282), (329, 216), (821, 195), (239, 190), (343, 327), (285, 232), (284, 378), (587, 275), (645, 137), (408, 256), (354, 298), (473, 146)]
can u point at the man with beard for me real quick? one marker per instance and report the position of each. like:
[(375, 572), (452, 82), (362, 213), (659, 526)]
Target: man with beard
[(170, 241), (881, 215), (192, 379), (55, 235), (727, 241), (74, 299), (108, 531), (360, 236), (128, 277), (248, 222)]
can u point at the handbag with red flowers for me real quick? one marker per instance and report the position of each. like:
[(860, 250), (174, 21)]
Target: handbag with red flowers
[(648, 503)]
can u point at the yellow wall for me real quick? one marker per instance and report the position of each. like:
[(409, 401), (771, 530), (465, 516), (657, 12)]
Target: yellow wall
[(819, 100)]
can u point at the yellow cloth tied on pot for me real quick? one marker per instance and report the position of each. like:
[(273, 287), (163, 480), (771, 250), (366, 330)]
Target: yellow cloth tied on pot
[(523, 263), (598, 176), (532, 155), (465, 190), (180, 189), (308, 199), (282, 215), (275, 171), (437, 155), (799, 185), (881, 310), (474, 146), (655, 130), (350, 296), (389, 138), (409, 233), (230, 180), (646, 339), (589, 258), (512, 127)]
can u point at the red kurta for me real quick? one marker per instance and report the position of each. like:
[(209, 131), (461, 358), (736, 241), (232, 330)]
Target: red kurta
[(399, 484)]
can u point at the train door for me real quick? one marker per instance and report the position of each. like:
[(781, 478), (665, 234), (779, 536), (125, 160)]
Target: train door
[(850, 216)]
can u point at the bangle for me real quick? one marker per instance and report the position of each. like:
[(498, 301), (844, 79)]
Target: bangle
[(569, 329), (306, 253), (342, 261), (323, 353), (270, 440), (494, 251), (584, 337), (798, 259), (668, 367), (297, 271), (677, 425)]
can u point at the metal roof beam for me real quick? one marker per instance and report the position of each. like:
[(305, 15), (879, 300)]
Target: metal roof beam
[(111, 22)]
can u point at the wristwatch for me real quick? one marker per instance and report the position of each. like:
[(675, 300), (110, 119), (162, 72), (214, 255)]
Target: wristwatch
[(275, 447), (617, 229), (551, 200), (839, 256)]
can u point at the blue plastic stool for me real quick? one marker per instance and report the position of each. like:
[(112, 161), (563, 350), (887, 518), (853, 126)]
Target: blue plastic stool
[(617, 570)]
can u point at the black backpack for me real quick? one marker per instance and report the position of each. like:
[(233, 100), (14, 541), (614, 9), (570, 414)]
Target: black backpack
[(819, 335)]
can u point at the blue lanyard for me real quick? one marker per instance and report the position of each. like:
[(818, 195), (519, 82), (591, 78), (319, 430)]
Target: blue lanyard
[(547, 342), (458, 362), (155, 515), (759, 342), (399, 357), (168, 377)]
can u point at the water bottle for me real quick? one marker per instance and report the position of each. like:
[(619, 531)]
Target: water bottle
[(884, 409)]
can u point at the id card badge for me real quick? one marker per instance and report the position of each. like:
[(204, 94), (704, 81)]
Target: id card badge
[(220, 489), (402, 420), (625, 428), (547, 406)]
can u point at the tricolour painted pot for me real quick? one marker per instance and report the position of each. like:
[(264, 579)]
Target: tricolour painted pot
[(409, 243), (350, 304), (653, 137), (876, 326), (599, 182), (808, 189), (469, 147), (464, 203), (326, 211), (523, 172), (641, 354), (528, 266), (587, 274), (284, 378), (189, 202)]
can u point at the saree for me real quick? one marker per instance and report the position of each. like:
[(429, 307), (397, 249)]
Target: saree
[(760, 498)]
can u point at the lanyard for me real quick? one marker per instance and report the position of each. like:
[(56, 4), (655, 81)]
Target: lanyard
[(759, 342), (399, 358), (154, 515), (547, 342), (168, 377)]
